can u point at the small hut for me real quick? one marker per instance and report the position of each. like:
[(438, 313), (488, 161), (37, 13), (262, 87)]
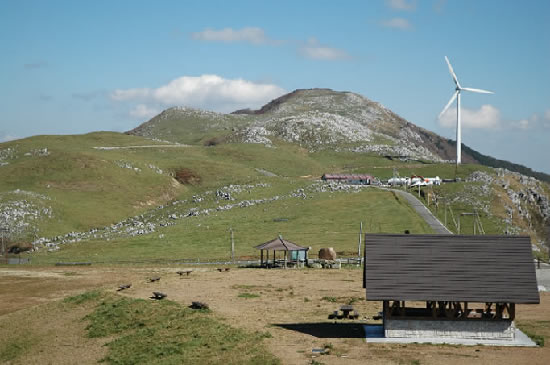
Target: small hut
[(280, 244)]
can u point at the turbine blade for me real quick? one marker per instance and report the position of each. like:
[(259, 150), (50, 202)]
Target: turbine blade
[(452, 72), (477, 90), (448, 104)]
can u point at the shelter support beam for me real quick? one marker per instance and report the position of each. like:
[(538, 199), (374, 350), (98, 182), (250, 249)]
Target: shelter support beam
[(451, 310)]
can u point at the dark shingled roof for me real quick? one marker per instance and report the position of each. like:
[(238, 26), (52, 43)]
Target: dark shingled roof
[(280, 244), (450, 268)]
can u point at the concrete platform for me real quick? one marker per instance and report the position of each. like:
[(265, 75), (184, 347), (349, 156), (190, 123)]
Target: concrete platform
[(375, 334)]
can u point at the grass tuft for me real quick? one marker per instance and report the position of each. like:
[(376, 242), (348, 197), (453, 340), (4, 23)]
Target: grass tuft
[(248, 295), (12, 348), (84, 297)]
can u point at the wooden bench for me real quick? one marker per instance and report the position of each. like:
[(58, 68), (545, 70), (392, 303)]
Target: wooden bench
[(124, 286), (187, 272)]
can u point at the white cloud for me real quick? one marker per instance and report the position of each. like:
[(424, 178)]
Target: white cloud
[(401, 4), (314, 50), (486, 117), (253, 35), (143, 111), (534, 122), (210, 92), (397, 23)]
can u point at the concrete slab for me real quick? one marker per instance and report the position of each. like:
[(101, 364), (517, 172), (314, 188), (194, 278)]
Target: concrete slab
[(375, 334)]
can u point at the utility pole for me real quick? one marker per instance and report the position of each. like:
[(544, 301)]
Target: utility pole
[(360, 236), (232, 245)]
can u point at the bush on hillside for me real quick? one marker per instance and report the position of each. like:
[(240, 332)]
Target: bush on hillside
[(186, 176)]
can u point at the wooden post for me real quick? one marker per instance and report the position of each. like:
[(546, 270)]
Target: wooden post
[(428, 199), (261, 258), (286, 252), (232, 246), (445, 213), (360, 236), (386, 312)]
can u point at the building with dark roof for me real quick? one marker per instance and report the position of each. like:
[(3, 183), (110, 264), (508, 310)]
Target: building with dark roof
[(449, 285), (349, 179)]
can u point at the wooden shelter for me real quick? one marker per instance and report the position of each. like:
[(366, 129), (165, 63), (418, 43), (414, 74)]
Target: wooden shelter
[(278, 244), (452, 275)]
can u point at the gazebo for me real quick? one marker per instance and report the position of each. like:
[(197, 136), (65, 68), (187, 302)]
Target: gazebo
[(278, 244)]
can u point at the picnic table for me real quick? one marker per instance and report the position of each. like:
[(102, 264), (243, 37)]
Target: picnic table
[(346, 313)]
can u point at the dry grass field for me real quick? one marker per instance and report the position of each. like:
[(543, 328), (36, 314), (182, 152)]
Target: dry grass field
[(288, 307)]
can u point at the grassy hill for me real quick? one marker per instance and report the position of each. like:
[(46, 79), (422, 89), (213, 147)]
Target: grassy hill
[(173, 187), (83, 188)]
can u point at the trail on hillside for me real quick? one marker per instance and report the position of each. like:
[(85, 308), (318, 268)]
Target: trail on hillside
[(424, 212)]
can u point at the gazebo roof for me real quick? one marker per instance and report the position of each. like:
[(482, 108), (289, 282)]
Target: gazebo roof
[(280, 244)]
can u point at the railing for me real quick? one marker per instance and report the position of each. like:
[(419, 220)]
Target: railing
[(14, 260)]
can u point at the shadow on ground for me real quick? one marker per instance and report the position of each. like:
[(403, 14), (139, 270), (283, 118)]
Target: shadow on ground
[(327, 330)]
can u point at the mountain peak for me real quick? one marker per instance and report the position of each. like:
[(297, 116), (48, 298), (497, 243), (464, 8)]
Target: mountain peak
[(315, 98)]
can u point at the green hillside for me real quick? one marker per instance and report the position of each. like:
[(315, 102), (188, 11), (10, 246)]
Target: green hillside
[(173, 187)]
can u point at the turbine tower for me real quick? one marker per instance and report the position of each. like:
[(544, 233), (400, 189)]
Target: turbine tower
[(456, 96)]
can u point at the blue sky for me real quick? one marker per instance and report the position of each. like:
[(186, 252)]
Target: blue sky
[(71, 67)]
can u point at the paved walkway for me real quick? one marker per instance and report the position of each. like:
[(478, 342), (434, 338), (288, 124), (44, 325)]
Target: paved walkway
[(424, 212)]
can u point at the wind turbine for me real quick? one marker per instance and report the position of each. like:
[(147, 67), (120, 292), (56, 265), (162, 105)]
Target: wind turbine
[(456, 96)]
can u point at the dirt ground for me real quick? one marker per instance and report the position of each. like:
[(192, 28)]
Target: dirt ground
[(292, 305)]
